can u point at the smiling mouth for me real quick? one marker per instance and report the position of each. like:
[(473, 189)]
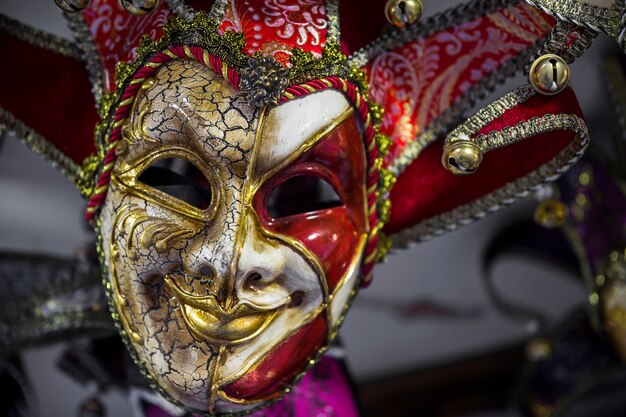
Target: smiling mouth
[(208, 320)]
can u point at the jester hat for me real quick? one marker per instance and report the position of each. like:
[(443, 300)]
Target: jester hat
[(409, 89)]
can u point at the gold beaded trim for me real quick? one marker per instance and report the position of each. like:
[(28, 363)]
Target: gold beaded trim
[(88, 52), (600, 19)]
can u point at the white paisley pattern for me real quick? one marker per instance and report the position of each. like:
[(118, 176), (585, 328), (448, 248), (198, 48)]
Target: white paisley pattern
[(275, 27), (117, 33), (304, 18), (419, 81)]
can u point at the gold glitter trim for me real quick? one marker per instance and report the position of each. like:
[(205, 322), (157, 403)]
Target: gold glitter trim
[(332, 15)]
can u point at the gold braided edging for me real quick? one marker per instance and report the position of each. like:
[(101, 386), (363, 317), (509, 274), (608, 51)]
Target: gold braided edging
[(41, 146), (567, 40), (607, 20)]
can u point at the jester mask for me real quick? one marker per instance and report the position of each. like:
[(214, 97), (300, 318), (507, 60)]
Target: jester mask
[(254, 159)]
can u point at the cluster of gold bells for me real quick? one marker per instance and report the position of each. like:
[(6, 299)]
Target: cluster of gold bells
[(548, 75)]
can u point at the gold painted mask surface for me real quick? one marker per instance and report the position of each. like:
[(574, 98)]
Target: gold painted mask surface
[(232, 236)]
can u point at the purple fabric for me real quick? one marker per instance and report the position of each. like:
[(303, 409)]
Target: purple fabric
[(603, 227), (323, 392)]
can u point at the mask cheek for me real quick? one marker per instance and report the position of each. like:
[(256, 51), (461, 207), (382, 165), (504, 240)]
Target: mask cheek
[(141, 252), (278, 369), (330, 235)]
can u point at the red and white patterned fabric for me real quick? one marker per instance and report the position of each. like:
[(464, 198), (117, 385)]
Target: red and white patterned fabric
[(275, 27), (425, 78)]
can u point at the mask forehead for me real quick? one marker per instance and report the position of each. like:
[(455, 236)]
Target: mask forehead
[(189, 106), (297, 125)]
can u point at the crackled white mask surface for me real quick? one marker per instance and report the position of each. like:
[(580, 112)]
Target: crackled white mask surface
[(232, 236)]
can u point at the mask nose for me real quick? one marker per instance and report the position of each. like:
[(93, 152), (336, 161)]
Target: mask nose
[(269, 273), (260, 266), (206, 264)]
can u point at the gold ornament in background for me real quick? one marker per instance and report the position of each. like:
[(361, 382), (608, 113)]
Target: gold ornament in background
[(549, 74), (550, 214), (462, 157), (139, 7), (403, 13), (538, 349), (72, 6)]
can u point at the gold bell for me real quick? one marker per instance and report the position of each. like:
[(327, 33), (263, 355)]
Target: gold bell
[(72, 6), (462, 157), (549, 74), (550, 214), (403, 13), (139, 7)]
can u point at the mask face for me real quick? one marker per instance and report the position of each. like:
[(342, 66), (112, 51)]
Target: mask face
[(232, 236)]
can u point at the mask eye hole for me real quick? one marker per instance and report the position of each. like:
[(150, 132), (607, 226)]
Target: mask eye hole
[(180, 179), (302, 194)]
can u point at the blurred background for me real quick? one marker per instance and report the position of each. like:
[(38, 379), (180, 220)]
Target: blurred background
[(425, 334)]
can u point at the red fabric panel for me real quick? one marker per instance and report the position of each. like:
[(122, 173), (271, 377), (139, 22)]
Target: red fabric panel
[(361, 22), (426, 189), (50, 93)]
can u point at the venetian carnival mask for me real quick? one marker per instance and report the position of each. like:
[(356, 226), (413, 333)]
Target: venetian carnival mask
[(254, 159), (233, 236)]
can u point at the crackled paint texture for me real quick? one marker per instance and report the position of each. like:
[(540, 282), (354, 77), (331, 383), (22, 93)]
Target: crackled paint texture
[(224, 305)]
